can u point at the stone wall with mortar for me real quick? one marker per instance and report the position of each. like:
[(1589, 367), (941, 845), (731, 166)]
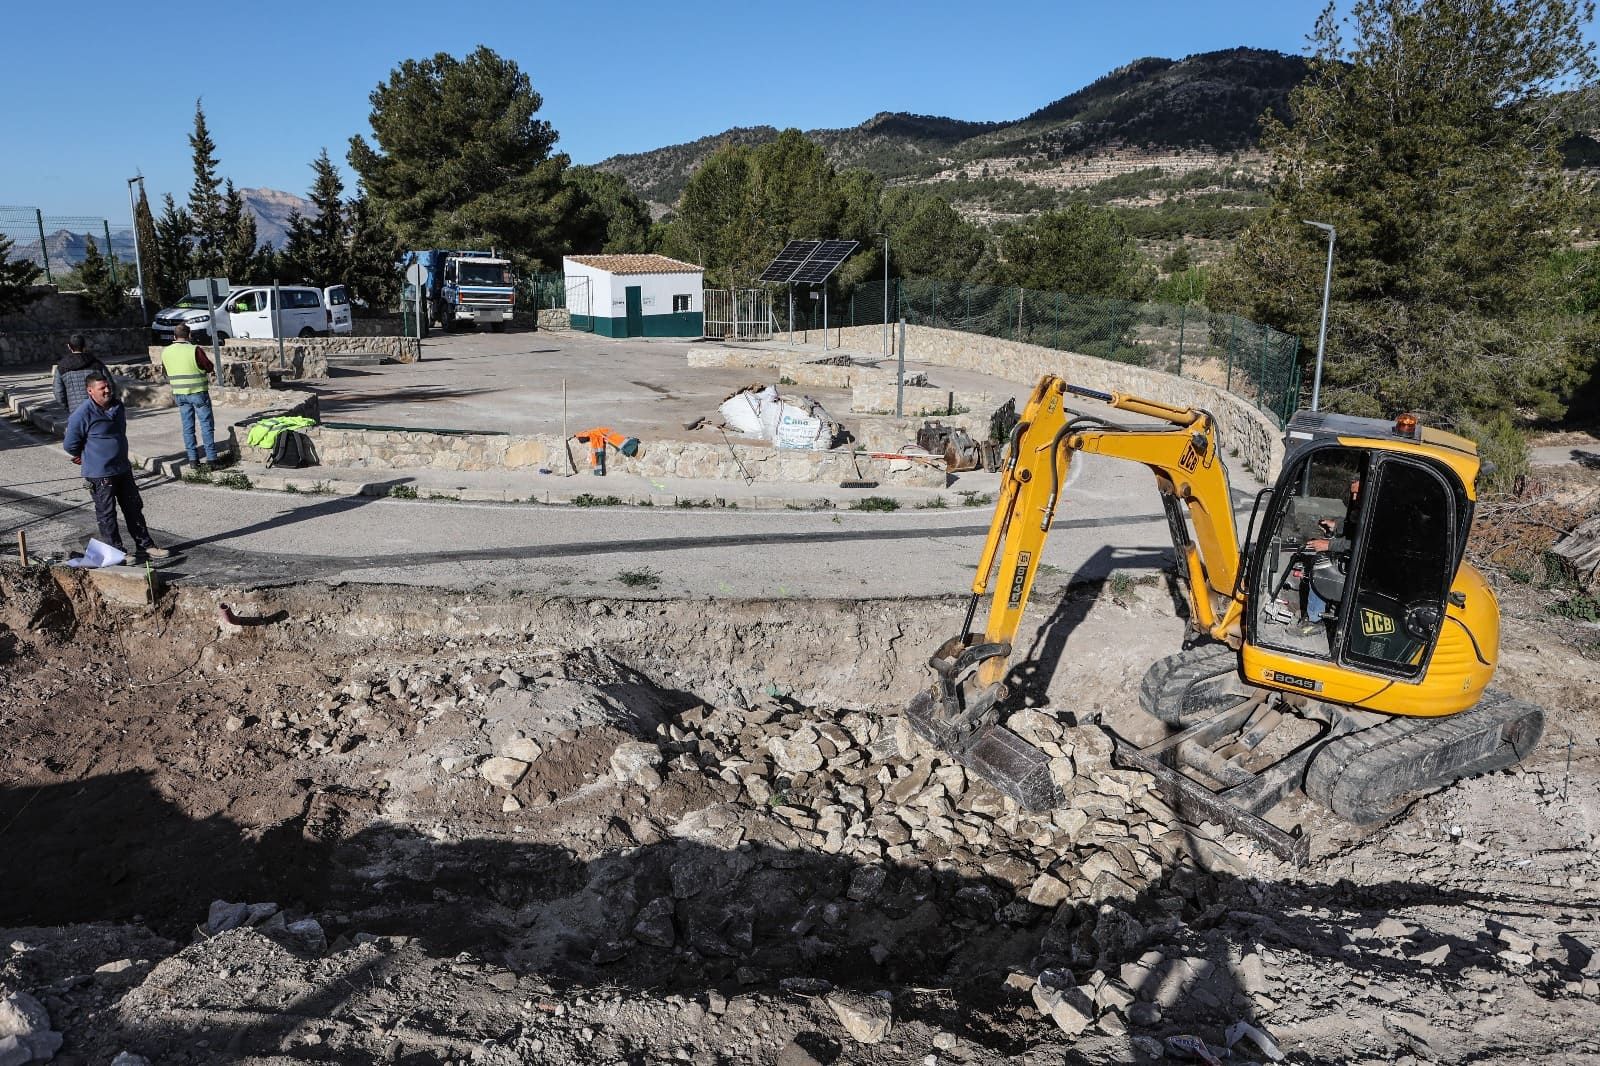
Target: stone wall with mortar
[(311, 352), (404, 450), (1247, 434), (41, 347), (51, 309), (303, 360)]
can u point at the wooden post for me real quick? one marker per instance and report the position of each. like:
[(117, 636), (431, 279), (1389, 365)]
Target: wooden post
[(22, 547)]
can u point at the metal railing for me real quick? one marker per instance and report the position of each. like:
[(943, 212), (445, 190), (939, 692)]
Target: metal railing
[(1256, 362), (55, 242)]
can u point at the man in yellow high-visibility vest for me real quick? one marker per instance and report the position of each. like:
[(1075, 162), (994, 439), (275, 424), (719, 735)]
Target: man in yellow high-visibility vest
[(188, 371)]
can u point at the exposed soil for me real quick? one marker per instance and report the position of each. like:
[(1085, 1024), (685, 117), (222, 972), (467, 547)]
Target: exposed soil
[(640, 832)]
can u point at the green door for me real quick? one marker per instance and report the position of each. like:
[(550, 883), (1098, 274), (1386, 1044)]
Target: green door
[(635, 297)]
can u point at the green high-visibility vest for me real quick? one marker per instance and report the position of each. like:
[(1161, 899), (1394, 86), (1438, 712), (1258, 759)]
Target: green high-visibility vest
[(183, 370)]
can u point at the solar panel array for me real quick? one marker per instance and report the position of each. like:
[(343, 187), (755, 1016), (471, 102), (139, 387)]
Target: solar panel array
[(808, 262), (823, 262), (792, 258)]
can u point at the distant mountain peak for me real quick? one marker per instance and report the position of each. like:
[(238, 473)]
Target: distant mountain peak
[(272, 208)]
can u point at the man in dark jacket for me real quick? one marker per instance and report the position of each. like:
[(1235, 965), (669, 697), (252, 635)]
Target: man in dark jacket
[(97, 440), (72, 374)]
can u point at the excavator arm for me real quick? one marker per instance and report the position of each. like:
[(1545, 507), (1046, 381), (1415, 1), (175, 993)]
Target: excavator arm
[(1180, 449)]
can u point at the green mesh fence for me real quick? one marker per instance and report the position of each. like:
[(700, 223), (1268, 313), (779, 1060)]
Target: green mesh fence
[(1253, 361), (540, 292), (57, 243)]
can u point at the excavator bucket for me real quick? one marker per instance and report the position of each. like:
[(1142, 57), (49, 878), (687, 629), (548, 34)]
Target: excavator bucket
[(992, 752), (959, 719)]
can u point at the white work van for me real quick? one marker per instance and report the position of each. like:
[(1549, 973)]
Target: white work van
[(247, 313)]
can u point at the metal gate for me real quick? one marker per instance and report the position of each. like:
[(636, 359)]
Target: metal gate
[(580, 312), (738, 314)]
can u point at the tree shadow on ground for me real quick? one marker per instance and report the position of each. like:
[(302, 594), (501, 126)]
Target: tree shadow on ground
[(728, 906)]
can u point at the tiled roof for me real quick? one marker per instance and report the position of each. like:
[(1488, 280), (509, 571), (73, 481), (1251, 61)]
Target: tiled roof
[(636, 264)]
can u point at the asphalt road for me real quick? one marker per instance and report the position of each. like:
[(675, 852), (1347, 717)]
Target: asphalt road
[(1111, 521)]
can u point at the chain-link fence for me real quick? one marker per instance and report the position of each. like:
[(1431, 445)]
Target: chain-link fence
[(1254, 361), (57, 243)]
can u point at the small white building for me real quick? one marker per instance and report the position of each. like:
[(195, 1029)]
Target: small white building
[(635, 295)]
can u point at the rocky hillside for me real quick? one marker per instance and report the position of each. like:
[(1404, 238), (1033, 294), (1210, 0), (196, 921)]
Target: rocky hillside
[(1206, 102), (272, 209)]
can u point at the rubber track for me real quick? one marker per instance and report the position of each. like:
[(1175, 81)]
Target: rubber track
[(1367, 776), (1168, 689)]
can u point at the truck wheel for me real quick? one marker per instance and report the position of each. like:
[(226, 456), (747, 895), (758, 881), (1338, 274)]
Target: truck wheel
[(1196, 682), (1368, 776), (307, 332), (497, 327)]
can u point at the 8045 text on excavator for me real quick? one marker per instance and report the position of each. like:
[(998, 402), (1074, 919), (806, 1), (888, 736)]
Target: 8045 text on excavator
[(1344, 650)]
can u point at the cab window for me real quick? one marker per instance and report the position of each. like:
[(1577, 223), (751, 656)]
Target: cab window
[(337, 297), (1405, 569), (1305, 553), (249, 302)]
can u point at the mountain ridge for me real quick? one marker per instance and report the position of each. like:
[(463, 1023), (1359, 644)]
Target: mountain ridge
[(1210, 100)]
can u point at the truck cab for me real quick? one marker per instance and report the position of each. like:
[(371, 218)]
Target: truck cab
[(468, 286)]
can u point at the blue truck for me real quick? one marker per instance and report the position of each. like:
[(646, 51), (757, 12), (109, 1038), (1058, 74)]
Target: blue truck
[(463, 286)]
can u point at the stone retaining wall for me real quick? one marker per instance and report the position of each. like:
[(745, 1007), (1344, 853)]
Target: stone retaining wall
[(1247, 434), (402, 450), (45, 346), (51, 309)]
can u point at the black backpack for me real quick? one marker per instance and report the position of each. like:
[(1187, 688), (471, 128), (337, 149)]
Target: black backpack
[(292, 449)]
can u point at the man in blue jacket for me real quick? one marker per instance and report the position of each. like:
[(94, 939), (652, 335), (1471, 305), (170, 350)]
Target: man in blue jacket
[(97, 440)]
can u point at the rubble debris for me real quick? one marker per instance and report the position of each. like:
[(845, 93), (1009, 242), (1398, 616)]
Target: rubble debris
[(867, 1018), (25, 1033)]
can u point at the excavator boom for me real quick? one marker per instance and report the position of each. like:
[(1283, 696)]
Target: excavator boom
[(1180, 449)]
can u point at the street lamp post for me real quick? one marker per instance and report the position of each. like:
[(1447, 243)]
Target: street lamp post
[(1322, 333), (885, 237), (138, 263)]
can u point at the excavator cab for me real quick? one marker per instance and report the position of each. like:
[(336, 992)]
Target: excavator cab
[(1353, 581)]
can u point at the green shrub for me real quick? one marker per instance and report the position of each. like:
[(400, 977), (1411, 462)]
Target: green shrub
[(403, 492), (973, 498), (934, 503), (1503, 449), (875, 503), (231, 480), (644, 577), (584, 499)]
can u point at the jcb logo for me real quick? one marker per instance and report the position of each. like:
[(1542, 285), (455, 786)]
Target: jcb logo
[(1375, 623), (1019, 579), (1189, 459)]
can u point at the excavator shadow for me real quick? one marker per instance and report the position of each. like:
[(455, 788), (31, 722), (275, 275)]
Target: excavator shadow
[(1030, 680)]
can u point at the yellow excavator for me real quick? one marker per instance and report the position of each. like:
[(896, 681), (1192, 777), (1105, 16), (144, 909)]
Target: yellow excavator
[(1345, 651)]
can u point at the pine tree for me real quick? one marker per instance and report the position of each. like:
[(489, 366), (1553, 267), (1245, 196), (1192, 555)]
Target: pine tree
[(144, 228), (16, 275), (459, 159), (100, 285), (1429, 141), (244, 261), (318, 250), (374, 250), (173, 256), (207, 207)]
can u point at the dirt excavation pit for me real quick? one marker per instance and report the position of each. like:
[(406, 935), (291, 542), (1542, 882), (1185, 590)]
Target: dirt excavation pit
[(368, 825)]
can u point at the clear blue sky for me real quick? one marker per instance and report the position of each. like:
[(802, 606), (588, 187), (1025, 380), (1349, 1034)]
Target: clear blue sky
[(98, 90)]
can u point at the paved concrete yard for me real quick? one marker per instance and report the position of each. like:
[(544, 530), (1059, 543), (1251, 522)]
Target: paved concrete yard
[(511, 383)]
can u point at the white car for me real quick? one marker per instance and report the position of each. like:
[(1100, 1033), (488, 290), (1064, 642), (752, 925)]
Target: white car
[(247, 313)]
